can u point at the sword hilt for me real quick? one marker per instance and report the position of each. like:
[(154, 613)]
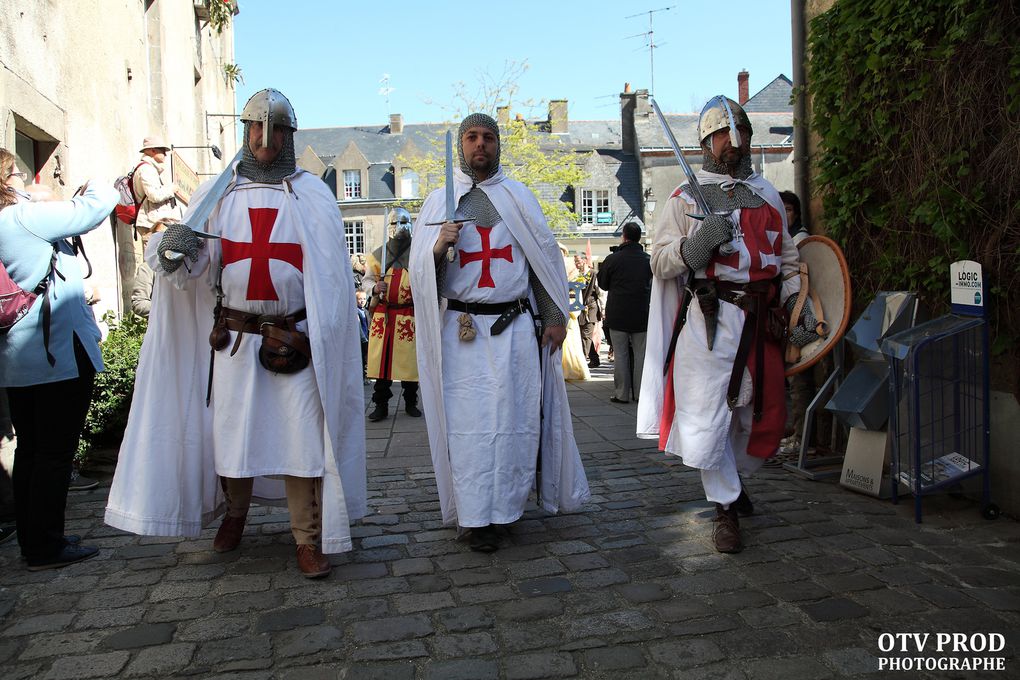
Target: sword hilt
[(451, 254)]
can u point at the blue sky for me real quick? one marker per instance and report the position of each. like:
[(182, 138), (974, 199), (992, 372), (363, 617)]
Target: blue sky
[(329, 57)]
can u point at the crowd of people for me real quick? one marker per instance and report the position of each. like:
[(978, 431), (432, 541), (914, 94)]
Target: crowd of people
[(469, 311)]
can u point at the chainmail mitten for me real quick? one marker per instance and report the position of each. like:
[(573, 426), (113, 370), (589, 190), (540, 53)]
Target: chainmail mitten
[(804, 332), (178, 238), (547, 309), (714, 231)]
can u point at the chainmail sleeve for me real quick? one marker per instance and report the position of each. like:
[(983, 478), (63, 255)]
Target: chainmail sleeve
[(547, 309), (440, 276)]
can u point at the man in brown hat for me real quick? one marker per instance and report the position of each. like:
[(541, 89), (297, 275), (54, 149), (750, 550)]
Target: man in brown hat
[(155, 194), (156, 198)]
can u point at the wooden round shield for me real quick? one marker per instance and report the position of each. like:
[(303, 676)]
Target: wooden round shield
[(829, 286)]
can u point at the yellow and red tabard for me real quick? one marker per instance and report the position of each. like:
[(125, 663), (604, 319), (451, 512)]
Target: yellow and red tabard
[(391, 353)]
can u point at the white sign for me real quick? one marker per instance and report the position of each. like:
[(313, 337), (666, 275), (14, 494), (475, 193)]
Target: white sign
[(966, 284)]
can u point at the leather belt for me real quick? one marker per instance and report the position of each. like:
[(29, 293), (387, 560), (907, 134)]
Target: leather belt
[(283, 328), (249, 322), (506, 310)]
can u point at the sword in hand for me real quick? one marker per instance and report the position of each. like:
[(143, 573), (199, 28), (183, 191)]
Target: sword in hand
[(451, 203)]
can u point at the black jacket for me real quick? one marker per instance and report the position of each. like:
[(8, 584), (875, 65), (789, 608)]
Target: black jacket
[(627, 276)]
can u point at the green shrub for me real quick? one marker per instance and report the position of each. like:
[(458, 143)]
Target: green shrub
[(111, 399), (917, 106)]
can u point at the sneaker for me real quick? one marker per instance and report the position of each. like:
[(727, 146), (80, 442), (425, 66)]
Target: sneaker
[(7, 533), (70, 554), (80, 483)]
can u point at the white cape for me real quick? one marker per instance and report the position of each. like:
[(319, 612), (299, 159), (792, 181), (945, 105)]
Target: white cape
[(665, 301), (166, 483), (564, 485)]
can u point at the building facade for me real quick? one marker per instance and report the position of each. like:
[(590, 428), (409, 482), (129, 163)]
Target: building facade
[(628, 165), (81, 87)]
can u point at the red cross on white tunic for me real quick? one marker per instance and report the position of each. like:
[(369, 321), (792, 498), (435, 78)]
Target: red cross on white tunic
[(486, 255), (260, 251)]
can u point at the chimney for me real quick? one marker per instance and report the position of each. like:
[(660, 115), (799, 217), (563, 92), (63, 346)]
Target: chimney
[(519, 117), (742, 93), (396, 123), (628, 101), (558, 116), (502, 116), (643, 108)]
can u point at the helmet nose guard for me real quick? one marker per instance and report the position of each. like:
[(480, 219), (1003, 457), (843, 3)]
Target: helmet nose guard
[(722, 112)]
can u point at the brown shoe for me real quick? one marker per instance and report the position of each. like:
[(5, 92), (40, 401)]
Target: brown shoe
[(726, 534), (311, 561), (229, 535)]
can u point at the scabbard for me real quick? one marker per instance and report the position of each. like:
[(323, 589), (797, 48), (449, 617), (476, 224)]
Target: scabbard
[(708, 301)]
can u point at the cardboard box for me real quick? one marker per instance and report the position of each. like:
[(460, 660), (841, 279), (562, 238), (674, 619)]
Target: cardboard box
[(866, 463)]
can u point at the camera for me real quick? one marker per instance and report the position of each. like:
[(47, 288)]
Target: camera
[(613, 249)]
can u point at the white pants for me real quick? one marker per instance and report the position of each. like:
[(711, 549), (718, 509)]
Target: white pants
[(723, 484)]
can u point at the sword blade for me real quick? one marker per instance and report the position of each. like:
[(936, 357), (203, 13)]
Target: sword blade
[(200, 215), (696, 192), (451, 204)]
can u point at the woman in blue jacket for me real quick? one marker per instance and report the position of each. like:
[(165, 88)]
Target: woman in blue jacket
[(49, 384)]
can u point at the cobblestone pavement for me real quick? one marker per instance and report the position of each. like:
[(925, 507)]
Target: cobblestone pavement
[(629, 588)]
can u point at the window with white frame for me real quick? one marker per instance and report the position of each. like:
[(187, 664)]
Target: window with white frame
[(593, 202), (352, 184), (408, 183), (354, 233)]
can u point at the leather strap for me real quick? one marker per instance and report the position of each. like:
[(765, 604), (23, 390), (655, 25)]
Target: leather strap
[(483, 307), (792, 351)]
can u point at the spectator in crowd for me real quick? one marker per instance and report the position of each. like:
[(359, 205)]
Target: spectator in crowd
[(627, 276), (49, 358)]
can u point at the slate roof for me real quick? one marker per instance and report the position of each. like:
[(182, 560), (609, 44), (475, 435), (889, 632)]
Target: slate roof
[(380, 147), (769, 109), (769, 128), (774, 97)]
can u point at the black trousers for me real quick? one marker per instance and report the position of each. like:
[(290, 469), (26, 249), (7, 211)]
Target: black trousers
[(48, 420), (382, 393)]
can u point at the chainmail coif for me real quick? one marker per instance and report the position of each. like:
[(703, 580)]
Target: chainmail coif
[(476, 120), (282, 166)]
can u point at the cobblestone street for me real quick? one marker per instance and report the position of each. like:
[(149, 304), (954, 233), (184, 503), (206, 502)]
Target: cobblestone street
[(629, 588)]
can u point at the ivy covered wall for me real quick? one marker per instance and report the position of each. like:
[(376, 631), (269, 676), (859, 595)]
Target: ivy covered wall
[(916, 109)]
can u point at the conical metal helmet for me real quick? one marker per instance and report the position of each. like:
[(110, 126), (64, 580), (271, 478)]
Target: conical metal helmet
[(401, 220), (722, 112), (270, 108)]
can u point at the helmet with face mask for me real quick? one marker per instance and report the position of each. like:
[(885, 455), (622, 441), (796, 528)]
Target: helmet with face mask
[(400, 222), (273, 110)]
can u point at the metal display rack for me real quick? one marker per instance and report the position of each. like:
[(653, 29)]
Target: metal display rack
[(939, 408)]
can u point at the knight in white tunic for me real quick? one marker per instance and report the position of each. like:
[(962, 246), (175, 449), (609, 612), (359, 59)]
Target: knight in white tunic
[(716, 398), (492, 385), (284, 383)]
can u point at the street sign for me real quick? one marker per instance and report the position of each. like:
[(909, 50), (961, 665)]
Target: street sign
[(183, 176)]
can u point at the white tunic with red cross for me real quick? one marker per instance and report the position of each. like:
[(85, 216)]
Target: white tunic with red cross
[(490, 384), (264, 423)]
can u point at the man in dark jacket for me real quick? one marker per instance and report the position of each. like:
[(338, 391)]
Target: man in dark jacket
[(627, 275)]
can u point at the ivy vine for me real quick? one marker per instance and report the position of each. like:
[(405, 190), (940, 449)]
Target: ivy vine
[(917, 105)]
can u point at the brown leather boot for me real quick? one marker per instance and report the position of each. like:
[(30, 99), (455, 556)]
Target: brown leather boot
[(311, 561), (726, 533), (229, 535)]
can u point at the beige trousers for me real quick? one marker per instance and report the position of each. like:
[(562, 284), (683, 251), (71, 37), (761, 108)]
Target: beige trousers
[(304, 500)]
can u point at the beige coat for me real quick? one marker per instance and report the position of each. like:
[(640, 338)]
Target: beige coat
[(155, 194)]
